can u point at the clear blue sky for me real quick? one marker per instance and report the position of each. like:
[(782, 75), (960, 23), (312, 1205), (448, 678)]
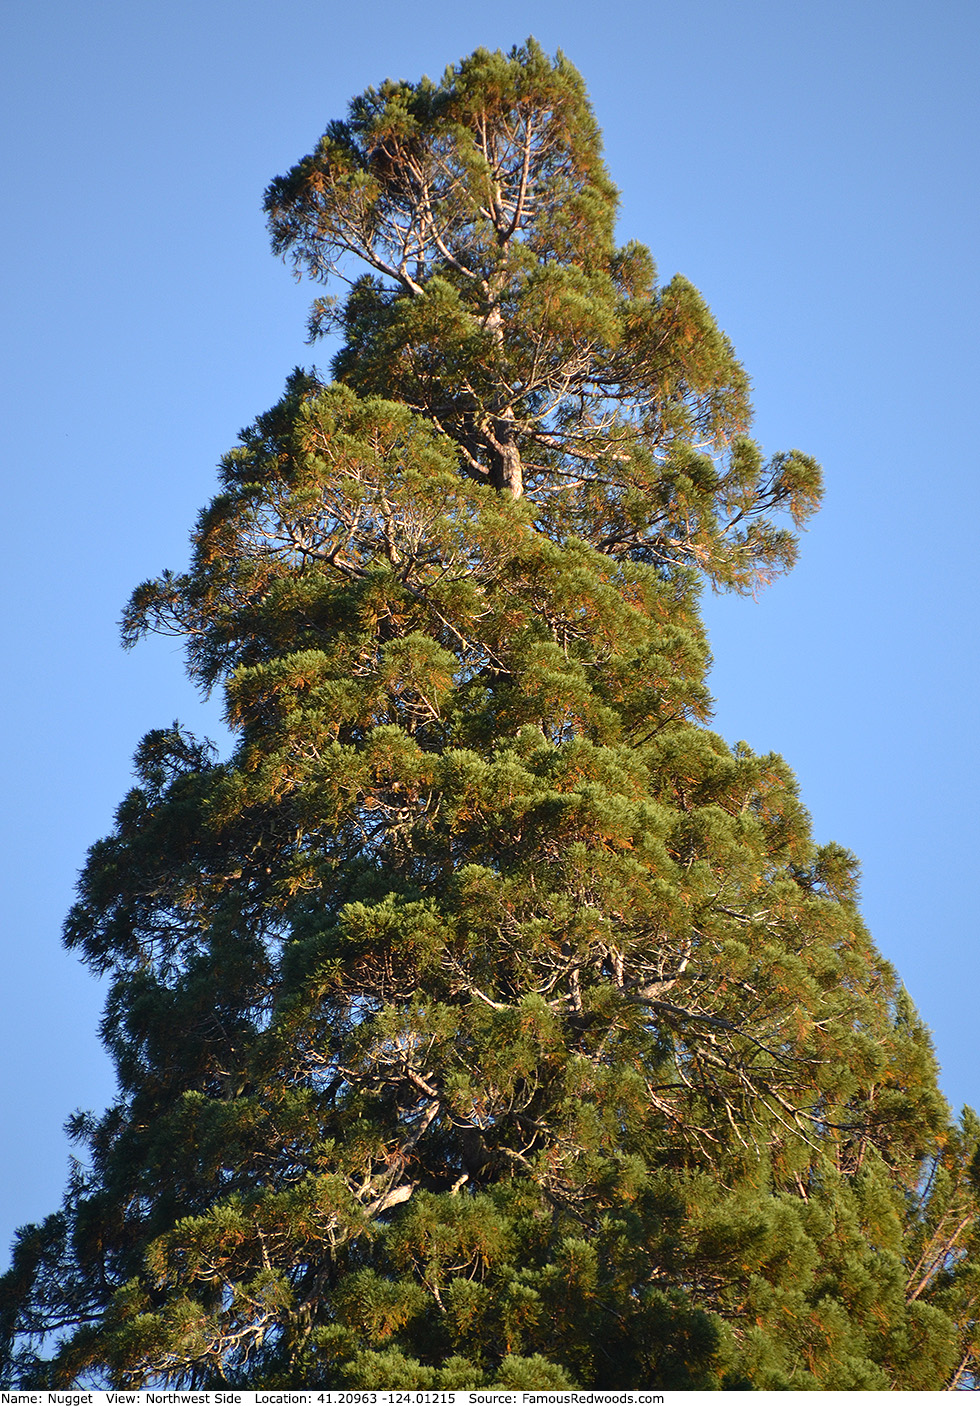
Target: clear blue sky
[(811, 167)]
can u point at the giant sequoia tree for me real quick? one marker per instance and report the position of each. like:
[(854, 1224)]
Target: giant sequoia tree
[(484, 1019)]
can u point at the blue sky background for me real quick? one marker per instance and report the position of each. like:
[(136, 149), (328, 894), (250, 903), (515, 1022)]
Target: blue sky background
[(812, 168)]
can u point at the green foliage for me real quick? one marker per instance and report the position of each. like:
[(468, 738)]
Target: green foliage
[(484, 1020), (497, 304)]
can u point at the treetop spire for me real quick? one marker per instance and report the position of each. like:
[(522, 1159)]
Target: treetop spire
[(496, 303)]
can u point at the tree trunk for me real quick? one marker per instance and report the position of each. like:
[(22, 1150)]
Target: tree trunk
[(507, 470)]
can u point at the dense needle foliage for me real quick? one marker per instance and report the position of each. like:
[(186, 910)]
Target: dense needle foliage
[(484, 1019)]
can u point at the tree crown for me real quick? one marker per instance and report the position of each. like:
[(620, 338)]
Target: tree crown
[(499, 306), (484, 1019)]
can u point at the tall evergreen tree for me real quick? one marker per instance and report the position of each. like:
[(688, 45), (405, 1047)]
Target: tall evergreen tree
[(484, 1019)]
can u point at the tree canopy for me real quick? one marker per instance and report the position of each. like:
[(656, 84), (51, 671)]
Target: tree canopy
[(498, 305), (484, 1019)]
